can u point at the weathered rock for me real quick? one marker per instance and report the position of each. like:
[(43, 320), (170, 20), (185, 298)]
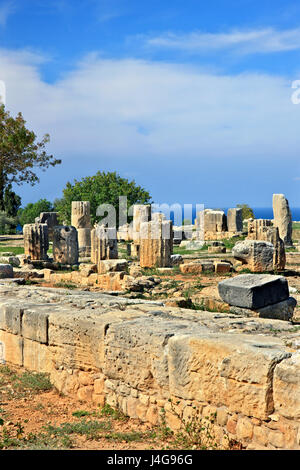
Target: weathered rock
[(84, 241), (214, 221), (112, 265), (156, 243), (13, 260), (36, 241), (176, 260), (65, 244), (283, 218), (197, 267), (49, 218), (262, 229), (104, 244), (286, 387), (234, 220), (283, 310), (80, 217), (256, 255), (254, 291), (192, 245)]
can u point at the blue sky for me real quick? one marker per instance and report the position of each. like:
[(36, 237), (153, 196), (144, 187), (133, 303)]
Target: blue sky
[(191, 99)]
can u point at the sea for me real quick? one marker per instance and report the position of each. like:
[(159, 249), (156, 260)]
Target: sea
[(259, 213)]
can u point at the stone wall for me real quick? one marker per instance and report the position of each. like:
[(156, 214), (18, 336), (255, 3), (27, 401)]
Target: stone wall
[(137, 357)]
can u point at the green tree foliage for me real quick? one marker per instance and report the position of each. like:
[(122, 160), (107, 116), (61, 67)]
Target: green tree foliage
[(12, 202), (103, 188), (20, 153), (247, 212), (31, 211), (7, 224)]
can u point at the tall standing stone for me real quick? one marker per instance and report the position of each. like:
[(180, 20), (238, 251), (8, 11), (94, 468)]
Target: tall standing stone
[(214, 221), (156, 243), (49, 218), (283, 218), (235, 220), (104, 244), (36, 241), (81, 220), (65, 244), (141, 214)]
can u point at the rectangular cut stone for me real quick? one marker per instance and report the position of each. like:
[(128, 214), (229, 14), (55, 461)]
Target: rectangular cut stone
[(12, 348), (37, 357), (234, 220), (286, 387), (11, 319), (254, 290), (226, 370), (35, 325)]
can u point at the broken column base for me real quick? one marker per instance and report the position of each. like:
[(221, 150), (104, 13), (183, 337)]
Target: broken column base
[(280, 311)]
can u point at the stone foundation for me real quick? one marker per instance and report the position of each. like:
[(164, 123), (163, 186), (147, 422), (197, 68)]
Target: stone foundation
[(143, 358)]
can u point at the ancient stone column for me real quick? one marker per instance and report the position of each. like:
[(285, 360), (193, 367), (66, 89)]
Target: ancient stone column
[(49, 218), (65, 244), (283, 218), (81, 220), (104, 244), (262, 229), (234, 220), (80, 217), (156, 243), (141, 214), (36, 241)]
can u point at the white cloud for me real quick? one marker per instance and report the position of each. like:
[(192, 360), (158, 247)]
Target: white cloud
[(267, 40), (134, 109), (6, 10)]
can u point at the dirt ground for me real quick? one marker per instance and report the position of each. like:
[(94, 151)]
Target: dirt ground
[(34, 416)]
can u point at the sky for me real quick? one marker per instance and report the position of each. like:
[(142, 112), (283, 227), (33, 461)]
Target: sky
[(197, 101)]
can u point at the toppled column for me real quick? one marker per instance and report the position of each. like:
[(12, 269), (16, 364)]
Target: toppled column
[(156, 243), (65, 244), (283, 218), (235, 220), (104, 244), (36, 241), (49, 218), (141, 214), (81, 220)]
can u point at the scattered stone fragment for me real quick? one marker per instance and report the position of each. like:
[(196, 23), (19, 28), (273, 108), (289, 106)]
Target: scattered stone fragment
[(256, 255)]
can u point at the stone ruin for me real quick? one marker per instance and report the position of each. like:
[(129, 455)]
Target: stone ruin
[(218, 226), (81, 220), (49, 218), (137, 355)]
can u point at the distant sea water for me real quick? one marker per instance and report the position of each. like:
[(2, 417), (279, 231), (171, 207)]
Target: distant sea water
[(259, 213)]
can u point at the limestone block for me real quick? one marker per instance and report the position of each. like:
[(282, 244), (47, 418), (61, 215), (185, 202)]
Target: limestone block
[(234, 220), (197, 267), (112, 265), (37, 357), (227, 370), (11, 318), (49, 218), (280, 311), (256, 255), (214, 221), (141, 213), (80, 217), (13, 260), (36, 241), (256, 226), (35, 325), (283, 218), (254, 291), (156, 243), (12, 348), (65, 244), (84, 241), (286, 387)]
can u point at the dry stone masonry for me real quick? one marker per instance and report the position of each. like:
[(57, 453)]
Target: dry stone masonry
[(156, 242), (137, 356)]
